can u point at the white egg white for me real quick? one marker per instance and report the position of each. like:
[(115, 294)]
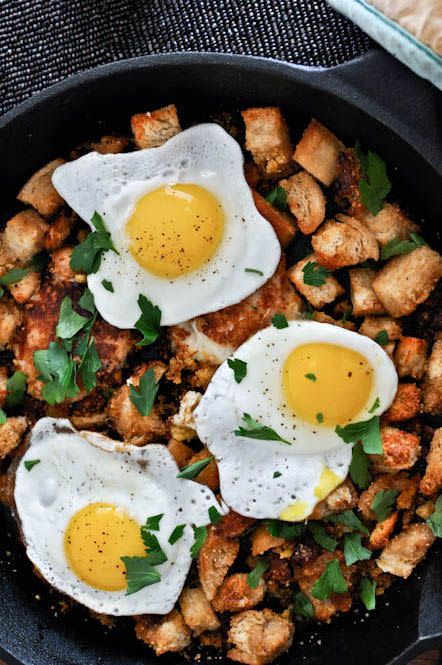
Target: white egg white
[(204, 155), (80, 468), (247, 466)]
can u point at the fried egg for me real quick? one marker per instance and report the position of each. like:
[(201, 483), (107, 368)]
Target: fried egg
[(183, 221), (81, 499), (301, 382)]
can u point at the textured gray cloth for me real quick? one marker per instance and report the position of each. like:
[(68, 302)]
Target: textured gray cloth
[(44, 41)]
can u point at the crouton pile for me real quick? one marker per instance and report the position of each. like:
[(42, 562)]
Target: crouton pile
[(362, 263)]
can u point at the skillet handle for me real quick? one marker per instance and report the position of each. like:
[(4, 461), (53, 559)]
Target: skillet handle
[(394, 95)]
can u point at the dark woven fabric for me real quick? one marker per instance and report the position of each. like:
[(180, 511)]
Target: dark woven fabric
[(43, 41)]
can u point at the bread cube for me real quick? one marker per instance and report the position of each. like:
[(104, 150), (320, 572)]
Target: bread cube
[(268, 140), (318, 151)]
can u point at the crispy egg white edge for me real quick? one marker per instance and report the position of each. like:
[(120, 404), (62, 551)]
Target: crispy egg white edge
[(246, 466), (249, 240), (44, 510)]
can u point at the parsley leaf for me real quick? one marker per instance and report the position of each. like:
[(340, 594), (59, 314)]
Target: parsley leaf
[(143, 396), (374, 185), (277, 474), (322, 537), (86, 256), (283, 530), (239, 368), (214, 516), (396, 246), (302, 605), (255, 575), (368, 593), (3, 417), (383, 503), (1, 291), (149, 539), (149, 322), (30, 463), (194, 469), (366, 431), (139, 573), (13, 276), (310, 377), (331, 581), (350, 519), (58, 372), (320, 417), (200, 535), (89, 366), (107, 285), (255, 430), (16, 389), (376, 405), (277, 197), (86, 301), (36, 264), (353, 549), (435, 520), (255, 271), (382, 338), (177, 533), (280, 321), (69, 321), (360, 467), (153, 523), (314, 274)]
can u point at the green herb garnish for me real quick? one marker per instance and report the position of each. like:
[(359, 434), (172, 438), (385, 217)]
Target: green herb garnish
[(350, 519), (302, 605), (200, 535), (383, 503), (382, 338), (322, 537), (366, 431), (320, 417), (30, 463), (368, 593), (255, 271), (314, 274), (396, 246), (3, 417), (139, 573), (353, 549), (280, 529), (86, 256), (278, 197), (435, 520), (239, 368), (331, 581), (143, 395), (255, 575), (149, 322), (310, 377), (360, 467), (106, 284), (69, 321), (376, 405), (214, 516), (177, 533), (153, 523), (16, 389), (255, 430), (277, 474), (280, 321), (192, 470), (374, 185)]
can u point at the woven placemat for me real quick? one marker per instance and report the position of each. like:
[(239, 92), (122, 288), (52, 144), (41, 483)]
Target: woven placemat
[(44, 41)]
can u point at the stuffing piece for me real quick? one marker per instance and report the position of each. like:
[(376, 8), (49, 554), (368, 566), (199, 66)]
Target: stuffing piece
[(318, 296), (308, 574), (321, 317), (233, 524), (283, 223), (401, 451), (349, 175), (363, 298), (40, 193), (410, 357), (389, 224), (344, 497), (23, 237), (305, 200), (183, 424), (259, 637), (432, 388), (169, 633), (180, 452), (406, 404), (380, 535), (402, 554), (152, 129), (60, 267), (21, 291), (10, 319), (10, 434), (252, 175), (406, 281), (406, 486), (432, 480), (262, 540), (110, 145), (214, 560), (318, 152), (373, 325), (208, 476), (59, 231), (3, 381), (197, 611), (344, 242), (235, 594), (268, 140)]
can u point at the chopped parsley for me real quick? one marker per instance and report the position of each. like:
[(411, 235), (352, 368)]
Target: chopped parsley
[(353, 549), (139, 573), (280, 529), (396, 246), (383, 503), (277, 474), (350, 519), (3, 417), (239, 368), (106, 284), (143, 395), (255, 271), (30, 463), (214, 516), (331, 581), (302, 605), (374, 185), (255, 430), (13, 276), (435, 520), (366, 431), (153, 523), (86, 256), (348, 312), (314, 274), (360, 467), (36, 264), (192, 470), (310, 377), (149, 322), (255, 575), (86, 301), (382, 338), (368, 593), (320, 417), (177, 534), (16, 389), (280, 321), (69, 321), (322, 537), (277, 197), (57, 370), (376, 405), (200, 535)]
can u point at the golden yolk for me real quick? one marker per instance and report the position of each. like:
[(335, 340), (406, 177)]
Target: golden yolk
[(175, 229), (96, 538), (327, 383)]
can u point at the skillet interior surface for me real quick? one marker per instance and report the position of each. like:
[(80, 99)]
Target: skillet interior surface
[(373, 99)]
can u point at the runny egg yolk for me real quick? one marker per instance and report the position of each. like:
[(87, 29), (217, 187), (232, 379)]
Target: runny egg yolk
[(327, 384), (175, 229), (96, 538)]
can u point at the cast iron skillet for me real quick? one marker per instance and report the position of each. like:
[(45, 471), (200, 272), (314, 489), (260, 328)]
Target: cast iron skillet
[(372, 98)]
